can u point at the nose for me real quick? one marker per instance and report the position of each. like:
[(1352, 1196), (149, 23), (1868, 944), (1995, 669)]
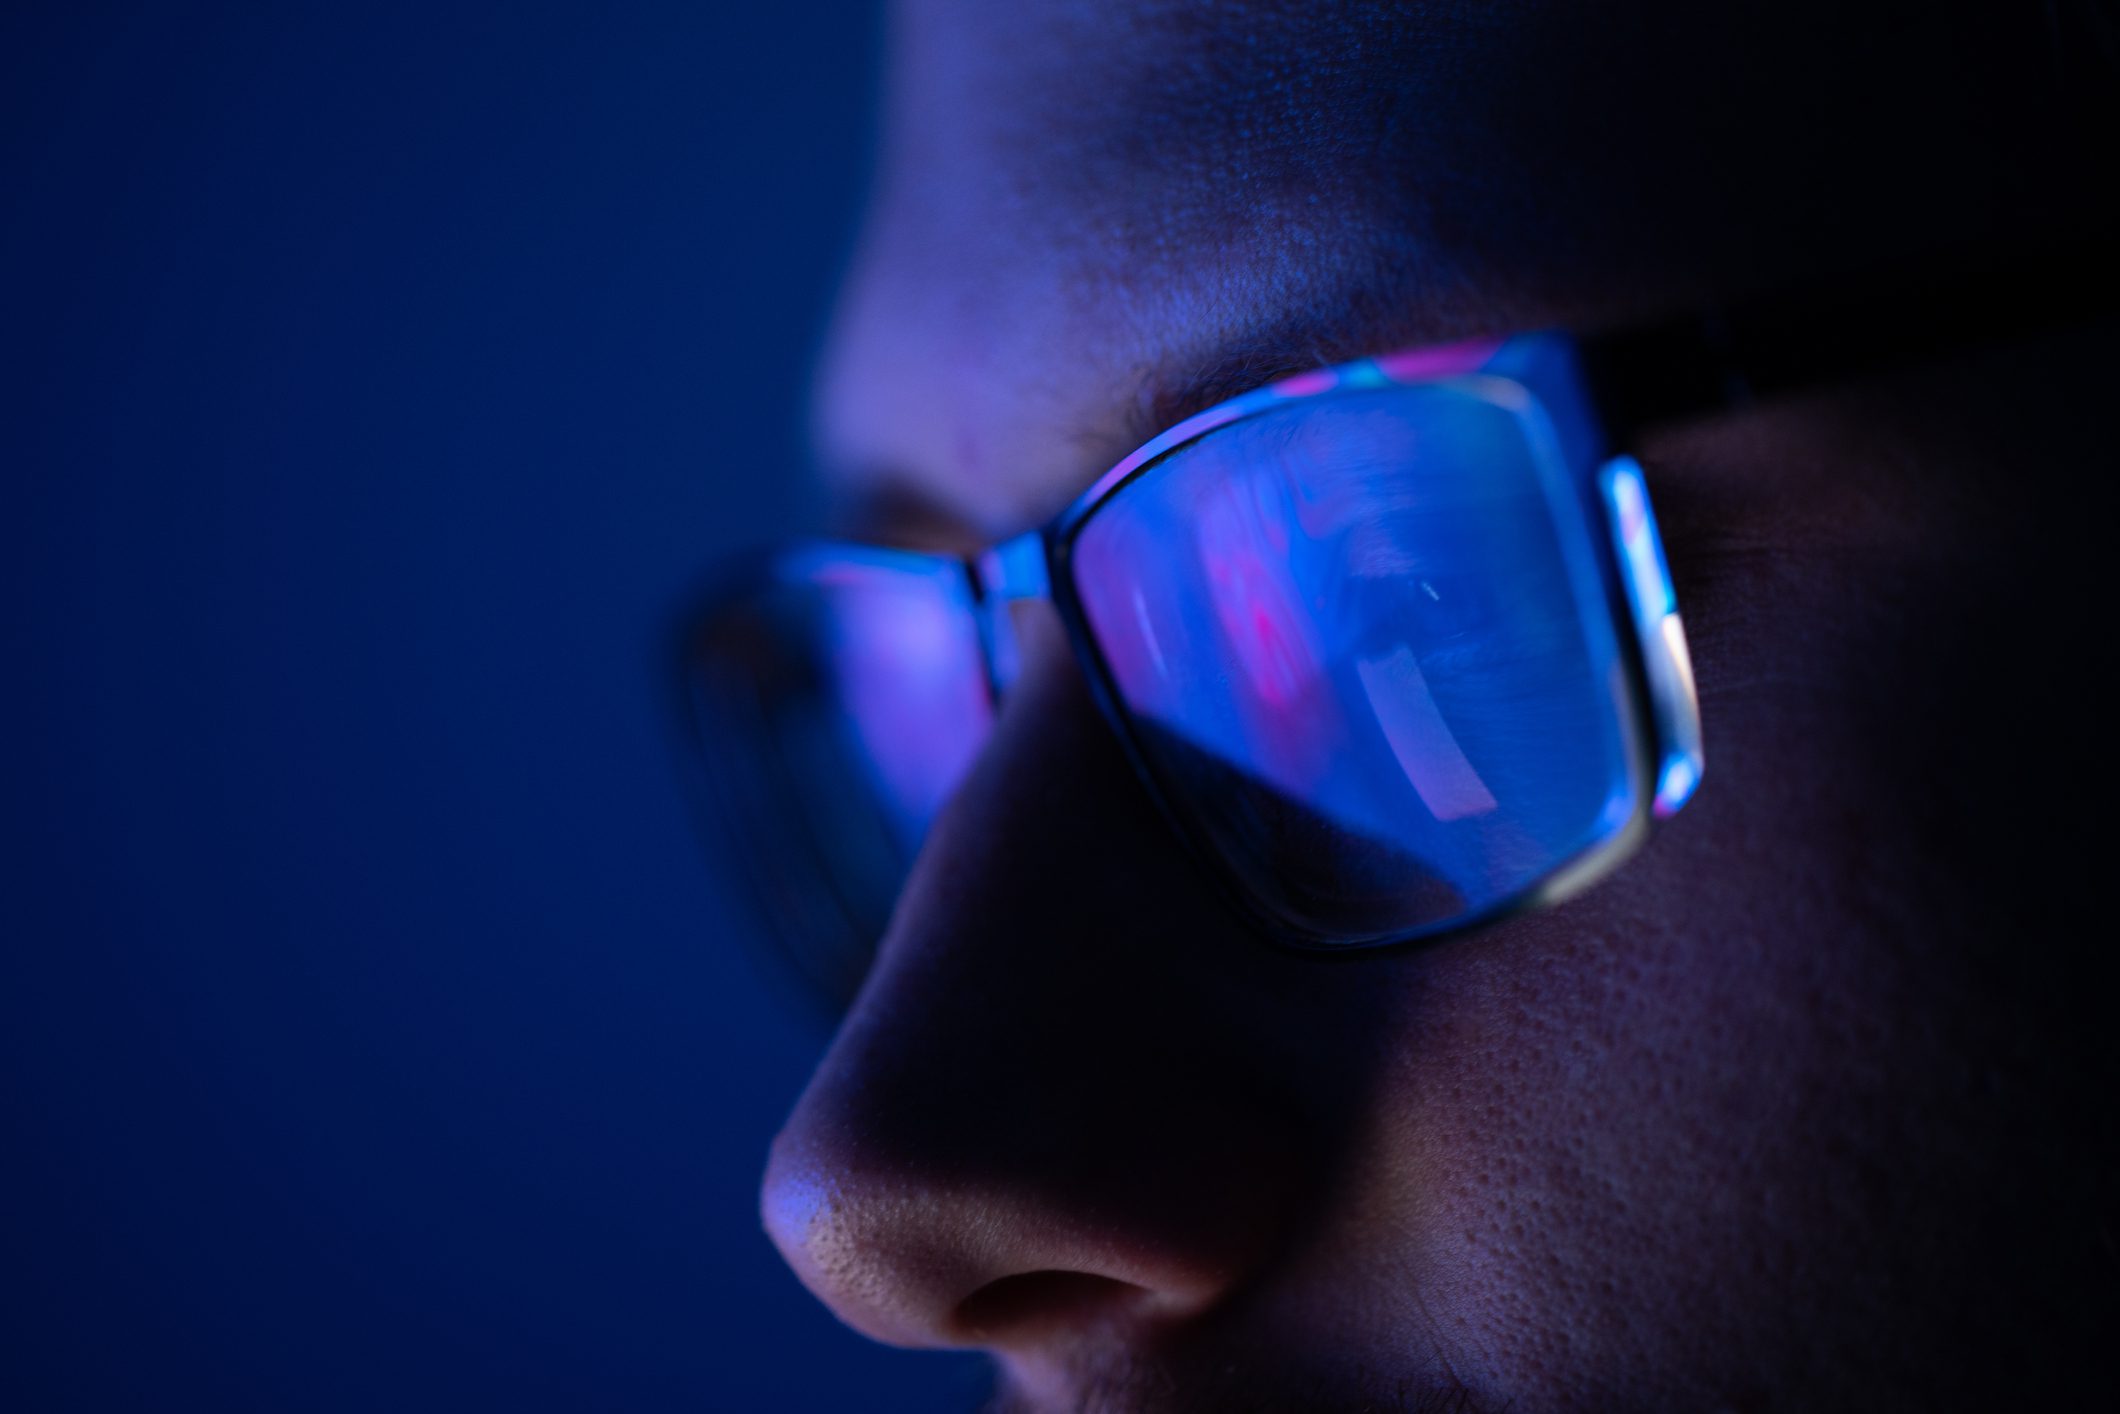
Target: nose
[(1074, 1092)]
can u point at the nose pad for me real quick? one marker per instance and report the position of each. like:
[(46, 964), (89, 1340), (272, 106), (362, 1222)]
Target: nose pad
[(1673, 703), (1008, 576)]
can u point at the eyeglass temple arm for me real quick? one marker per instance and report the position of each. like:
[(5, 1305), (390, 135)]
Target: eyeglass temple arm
[(1698, 365)]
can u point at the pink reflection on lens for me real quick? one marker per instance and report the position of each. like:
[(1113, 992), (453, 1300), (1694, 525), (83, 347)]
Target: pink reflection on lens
[(1421, 365), (1305, 384), (1244, 549)]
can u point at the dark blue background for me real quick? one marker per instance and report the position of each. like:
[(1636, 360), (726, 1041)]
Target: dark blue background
[(376, 380)]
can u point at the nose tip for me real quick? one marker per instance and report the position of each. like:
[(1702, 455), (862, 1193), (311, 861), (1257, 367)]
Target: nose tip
[(1062, 1101), (914, 1262)]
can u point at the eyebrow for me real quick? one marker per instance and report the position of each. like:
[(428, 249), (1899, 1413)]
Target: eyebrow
[(1162, 402), (1301, 343), (892, 505), (1829, 330), (1660, 373)]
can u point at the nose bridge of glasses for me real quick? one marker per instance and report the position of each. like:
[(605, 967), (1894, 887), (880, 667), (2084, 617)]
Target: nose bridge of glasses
[(1008, 574)]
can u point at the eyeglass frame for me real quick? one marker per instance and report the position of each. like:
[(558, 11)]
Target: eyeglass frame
[(1603, 391)]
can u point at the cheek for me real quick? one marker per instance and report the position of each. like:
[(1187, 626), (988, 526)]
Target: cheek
[(1696, 1119), (1613, 1144)]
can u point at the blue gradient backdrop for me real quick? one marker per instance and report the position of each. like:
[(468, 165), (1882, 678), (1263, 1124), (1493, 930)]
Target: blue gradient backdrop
[(376, 379)]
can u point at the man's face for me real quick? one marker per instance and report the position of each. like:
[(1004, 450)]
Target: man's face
[(1725, 1132)]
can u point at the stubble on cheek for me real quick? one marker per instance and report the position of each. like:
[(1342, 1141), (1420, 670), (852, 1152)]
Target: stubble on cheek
[(1119, 1382)]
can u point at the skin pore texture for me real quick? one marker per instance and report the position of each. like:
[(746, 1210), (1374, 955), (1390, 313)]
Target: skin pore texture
[(1806, 1107)]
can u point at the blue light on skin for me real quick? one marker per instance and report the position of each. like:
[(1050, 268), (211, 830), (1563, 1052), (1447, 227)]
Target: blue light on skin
[(1670, 667)]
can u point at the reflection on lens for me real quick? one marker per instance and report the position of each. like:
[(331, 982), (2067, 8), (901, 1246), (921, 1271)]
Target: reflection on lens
[(1367, 618), (838, 704)]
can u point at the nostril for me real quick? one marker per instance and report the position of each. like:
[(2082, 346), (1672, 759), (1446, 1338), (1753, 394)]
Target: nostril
[(1014, 1306)]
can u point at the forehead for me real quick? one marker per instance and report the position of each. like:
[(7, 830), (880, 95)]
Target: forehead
[(1093, 218)]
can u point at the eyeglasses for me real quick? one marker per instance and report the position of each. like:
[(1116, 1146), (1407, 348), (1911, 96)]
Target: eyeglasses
[(1393, 644)]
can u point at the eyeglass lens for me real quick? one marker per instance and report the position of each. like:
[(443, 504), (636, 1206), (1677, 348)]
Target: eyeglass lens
[(1365, 649), (1360, 641), (839, 705)]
